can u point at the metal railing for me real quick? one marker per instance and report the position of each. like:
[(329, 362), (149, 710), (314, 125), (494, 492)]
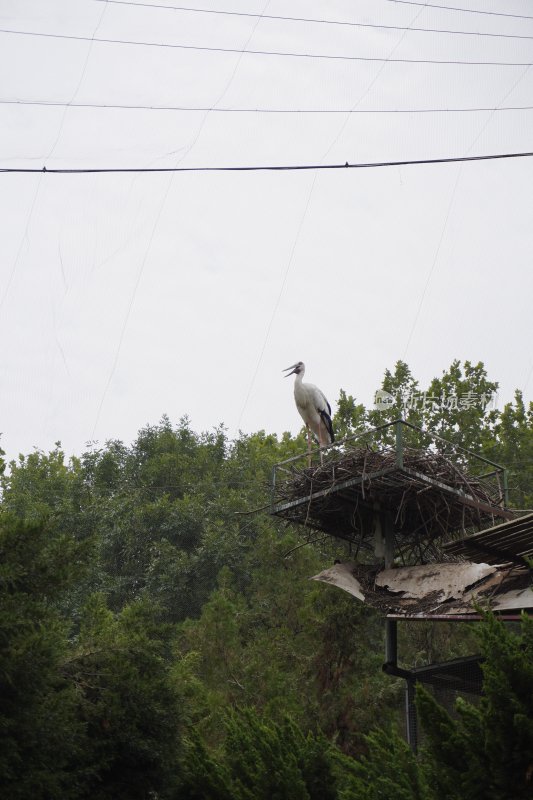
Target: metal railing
[(398, 436)]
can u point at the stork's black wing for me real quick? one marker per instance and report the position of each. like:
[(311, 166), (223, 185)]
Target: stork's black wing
[(326, 418)]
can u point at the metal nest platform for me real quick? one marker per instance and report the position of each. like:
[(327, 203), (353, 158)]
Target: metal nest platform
[(420, 486)]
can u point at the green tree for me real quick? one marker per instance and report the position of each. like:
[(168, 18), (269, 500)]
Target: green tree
[(512, 446), (158, 593), (388, 771), (486, 752), (130, 707), (41, 736), (86, 710), (260, 760), (350, 417), (462, 412)]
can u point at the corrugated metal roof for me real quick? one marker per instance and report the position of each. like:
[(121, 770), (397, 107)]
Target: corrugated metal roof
[(509, 541)]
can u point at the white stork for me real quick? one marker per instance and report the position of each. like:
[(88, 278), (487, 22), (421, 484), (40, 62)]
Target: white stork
[(313, 408)]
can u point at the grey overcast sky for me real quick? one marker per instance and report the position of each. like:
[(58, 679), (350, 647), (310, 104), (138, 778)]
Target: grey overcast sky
[(126, 296)]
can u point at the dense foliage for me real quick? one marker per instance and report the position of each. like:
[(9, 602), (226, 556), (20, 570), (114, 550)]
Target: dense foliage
[(483, 753), (159, 637)]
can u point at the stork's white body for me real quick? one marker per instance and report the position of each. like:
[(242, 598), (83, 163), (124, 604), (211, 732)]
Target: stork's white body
[(313, 408), (310, 401)]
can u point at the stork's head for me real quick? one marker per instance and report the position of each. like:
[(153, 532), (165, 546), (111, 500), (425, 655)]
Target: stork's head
[(296, 369)]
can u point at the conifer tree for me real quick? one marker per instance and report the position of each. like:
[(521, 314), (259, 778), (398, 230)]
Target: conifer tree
[(487, 752)]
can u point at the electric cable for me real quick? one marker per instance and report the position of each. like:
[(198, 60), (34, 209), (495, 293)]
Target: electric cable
[(312, 20), (276, 53), (154, 228), (262, 110), (265, 168), (29, 218), (464, 10), (448, 212)]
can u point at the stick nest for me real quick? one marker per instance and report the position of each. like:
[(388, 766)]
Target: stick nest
[(428, 497)]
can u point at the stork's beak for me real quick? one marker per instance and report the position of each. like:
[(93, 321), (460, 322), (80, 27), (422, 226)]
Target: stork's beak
[(292, 370)]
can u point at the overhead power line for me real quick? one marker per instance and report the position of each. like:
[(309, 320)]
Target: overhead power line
[(225, 110), (270, 168), (457, 8), (313, 20), (268, 52), (259, 110)]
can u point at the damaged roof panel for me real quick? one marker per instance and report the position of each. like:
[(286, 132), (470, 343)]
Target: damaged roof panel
[(448, 580), (435, 590)]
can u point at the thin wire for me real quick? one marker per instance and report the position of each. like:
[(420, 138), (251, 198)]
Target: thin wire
[(278, 299), (281, 54), (370, 86), (315, 21), (464, 10), (154, 228), (225, 90), (528, 377), (49, 156), (450, 204), (50, 153), (130, 306), (433, 264), (271, 168), (226, 110), (82, 76), (307, 205), (24, 238)]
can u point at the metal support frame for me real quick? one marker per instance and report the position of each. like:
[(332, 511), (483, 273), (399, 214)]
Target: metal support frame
[(384, 536), (428, 674), (387, 526), (410, 715), (390, 667), (391, 642), (399, 442)]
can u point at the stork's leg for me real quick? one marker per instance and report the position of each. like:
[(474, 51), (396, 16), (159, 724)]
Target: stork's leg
[(321, 443), (308, 446)]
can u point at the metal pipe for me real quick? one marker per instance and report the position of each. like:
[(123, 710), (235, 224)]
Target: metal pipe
[(399, 442), (411, 716), (391, 641), (505, 487)]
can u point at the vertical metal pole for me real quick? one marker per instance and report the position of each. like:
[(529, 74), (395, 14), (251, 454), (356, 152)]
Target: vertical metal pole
[(273, 487), (391, 641), (387, 528), (410, 715), (399, 443), (505, 488)]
